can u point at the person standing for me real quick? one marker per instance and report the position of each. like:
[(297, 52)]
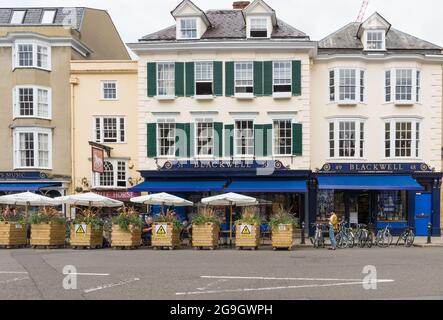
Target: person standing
[(333, 221)]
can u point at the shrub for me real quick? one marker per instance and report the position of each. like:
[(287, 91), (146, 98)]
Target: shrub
[(126, 218), (281, 216), (249, 217), (11, 216), (170, 218), (206, 215), (89, 217), (46, 215)]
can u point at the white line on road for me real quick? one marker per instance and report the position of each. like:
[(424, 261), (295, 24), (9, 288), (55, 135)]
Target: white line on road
[(88, 274), (278, 288), (13, 280), (12, 272), (107, 286), (276, 279)]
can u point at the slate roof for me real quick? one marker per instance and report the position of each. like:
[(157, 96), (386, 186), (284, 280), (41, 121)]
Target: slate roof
[(228, 24), (346, 39), (33, 16)]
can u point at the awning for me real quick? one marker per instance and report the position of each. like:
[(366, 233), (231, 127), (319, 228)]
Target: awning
[(180, 186), (23, 187), (384, 183), (268, 186)]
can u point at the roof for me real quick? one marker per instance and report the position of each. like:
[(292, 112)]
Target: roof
[(64, 16), (346, 38), (228, 24)]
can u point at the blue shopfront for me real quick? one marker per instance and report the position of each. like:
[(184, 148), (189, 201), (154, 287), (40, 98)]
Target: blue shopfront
[(394, 194)]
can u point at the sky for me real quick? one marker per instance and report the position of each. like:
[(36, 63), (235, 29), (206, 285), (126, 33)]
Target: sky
[(317, 18)]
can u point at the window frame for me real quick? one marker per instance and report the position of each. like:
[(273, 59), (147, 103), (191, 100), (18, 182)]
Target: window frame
[(236, 63), (196, 139), (334, 86), (383, 40), (103, 82), (274, 137), (120, 139), (35, 102), (159, 138), (52, 11), (35, 131), (22, 18), (158, 79), (416, 139), (96, 177), (236, 155), (359, 143), (211, 63), (416, 86), (35, 45), (180, 28), (274, 77), (260, 28)]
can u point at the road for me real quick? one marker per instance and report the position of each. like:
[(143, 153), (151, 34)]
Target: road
[(402, 273)]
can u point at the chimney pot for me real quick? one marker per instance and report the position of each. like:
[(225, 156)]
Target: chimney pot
[(240, 5)]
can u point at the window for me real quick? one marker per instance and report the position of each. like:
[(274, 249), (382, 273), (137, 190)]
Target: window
[(244, 138), (282, 74), (203, 78), (244, 77), (32, 55), (350, 86), (259, 28), (114, 175), (18, 17), (375, 40), (32, 148), (48, 16), (205, 137), (166, 79), (346, 139), (110, 130), (407, 85), (283, 137), (402, 139), (166, 137), (32, 102), (109, 90), (188, 28)]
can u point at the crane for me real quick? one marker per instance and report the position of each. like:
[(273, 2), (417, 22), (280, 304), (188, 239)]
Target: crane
[(361, 14)]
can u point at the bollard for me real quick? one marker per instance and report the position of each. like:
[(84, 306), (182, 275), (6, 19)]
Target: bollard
[(303, 233), (429, 233)]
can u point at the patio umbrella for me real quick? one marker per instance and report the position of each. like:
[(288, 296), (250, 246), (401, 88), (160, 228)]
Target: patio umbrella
[(28, 199), (230, 199), (90, 200), (162, 199)]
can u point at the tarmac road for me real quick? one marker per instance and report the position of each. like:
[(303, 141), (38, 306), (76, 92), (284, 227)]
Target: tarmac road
[(402, 273)]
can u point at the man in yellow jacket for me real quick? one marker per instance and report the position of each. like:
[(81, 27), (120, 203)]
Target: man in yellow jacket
[(333, 224)]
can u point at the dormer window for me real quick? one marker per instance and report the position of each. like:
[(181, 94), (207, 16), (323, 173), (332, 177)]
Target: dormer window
[(259, 28), (48, 16), (18, 17), (188, 28), (375, 40)]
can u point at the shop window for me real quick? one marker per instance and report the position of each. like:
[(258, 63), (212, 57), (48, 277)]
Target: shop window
[(392, 206)]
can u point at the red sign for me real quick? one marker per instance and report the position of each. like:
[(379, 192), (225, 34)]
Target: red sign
[(98, 160), (119, 195)]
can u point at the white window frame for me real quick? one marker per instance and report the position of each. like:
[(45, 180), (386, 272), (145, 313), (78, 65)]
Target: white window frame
[(35, 45), (35, 104), (393, 133), (337, 84), (172, 95), (416, 86), (261, 27), (281, 84), (115, 169), (23, 12), (359, 153), (16, 144), (166, 121), (274, 137), (383, 40), (50, 13), (252, 139), (120, 139), (103, 82), (180, 30), (211, 80), (196, 123), (243, 86)]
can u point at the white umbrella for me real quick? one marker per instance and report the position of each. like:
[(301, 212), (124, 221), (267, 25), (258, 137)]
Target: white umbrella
[(230, 199), (162, 199), (90, 200), (28, 199)]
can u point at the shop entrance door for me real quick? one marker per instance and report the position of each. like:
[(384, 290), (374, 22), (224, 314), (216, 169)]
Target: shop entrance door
[(359, 208), (423, 213)]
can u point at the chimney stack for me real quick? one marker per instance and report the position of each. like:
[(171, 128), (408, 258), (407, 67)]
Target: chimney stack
[(240, 5)]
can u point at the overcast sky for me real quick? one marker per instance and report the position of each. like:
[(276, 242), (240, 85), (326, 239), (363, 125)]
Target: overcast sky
[(318, 18)]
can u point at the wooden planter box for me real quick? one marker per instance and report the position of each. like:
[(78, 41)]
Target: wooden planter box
[(205, 236), (164, 235), (247, 236), (125, 238), (48, 235), (283, 237), (13, 235), (85, 236)]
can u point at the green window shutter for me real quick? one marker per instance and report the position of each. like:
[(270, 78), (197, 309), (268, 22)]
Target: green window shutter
[(180, 140), (218, 78), (152, 79), (259, 138), (218, 139), (267, 141), (229, 90), (229, 140), (152, 140), (190, 132), (296, 78), (258, 78), (297, 139), (190, 79), (268, 78), (179, 79)]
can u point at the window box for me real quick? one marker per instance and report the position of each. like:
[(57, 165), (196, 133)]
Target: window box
[(165, 98), (282, 95), (204, 97), (244, 96)]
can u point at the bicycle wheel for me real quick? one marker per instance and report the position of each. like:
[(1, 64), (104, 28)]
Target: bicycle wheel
[(370, 240), (351, 241), (361, 242), (410, 240), (342, 242), (389, 239)]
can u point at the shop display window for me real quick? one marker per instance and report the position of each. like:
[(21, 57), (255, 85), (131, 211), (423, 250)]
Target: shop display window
[(392, 206)]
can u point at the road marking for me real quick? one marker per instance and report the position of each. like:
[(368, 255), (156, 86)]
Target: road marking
[(278, 288), (212, 284), (107, 286), (88, 274), (272, 278), (13, 280), (12, 272)]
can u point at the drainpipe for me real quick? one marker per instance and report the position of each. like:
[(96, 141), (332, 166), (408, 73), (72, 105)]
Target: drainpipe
[(73, 81)]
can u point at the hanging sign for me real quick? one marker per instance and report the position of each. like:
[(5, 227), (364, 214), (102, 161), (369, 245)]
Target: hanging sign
[(98, 160)]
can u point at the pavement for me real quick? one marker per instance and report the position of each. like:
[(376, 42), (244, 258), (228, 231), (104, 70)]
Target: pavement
[(422, 242), (305, 273)]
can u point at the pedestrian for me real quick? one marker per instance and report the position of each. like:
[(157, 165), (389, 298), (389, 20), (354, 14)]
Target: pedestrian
[(333, 221), (147, 230)]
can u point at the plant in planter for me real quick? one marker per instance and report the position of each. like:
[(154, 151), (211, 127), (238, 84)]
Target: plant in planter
[(166, 231), (48, 228), (247, 229), (282, 225), (126, 229), (205, 229), (87, 230), (13, 229)]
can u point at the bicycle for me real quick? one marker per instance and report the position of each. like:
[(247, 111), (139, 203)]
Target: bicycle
[(384, 237), (319, 239), (363, 236), (407, 236), (345, 237)]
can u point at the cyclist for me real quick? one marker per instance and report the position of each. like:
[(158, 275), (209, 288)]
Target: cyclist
[(333, 222)]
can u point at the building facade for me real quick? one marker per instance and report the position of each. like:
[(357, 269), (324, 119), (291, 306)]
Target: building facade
[(104, 99)]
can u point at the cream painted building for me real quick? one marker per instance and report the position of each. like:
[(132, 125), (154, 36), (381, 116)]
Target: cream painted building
[(104, 95)]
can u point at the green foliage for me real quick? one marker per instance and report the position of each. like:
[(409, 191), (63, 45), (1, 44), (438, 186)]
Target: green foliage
[(201, 220), (281, 216), (169, 219), (254, 221), (7, 216), (89, 217), (126, 218), (41, 219)]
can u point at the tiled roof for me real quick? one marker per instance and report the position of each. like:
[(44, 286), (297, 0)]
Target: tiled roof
[(33, 16), (346, 38), (228, 24)]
